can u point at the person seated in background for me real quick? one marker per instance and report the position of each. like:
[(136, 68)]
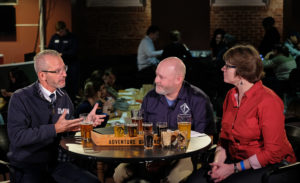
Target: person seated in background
[(171, 96), (252, 137), (109, 78), (282, 64), (91, 97), (271, 36), (95, 92), (217, 42), (176, 48), (292, 43), (17, 80), (147, 56), (294, 80)]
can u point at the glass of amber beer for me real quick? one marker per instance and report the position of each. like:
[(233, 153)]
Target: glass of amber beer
[(86, 127), (137, 117), (119, 129), (184, 124), (132, 129)]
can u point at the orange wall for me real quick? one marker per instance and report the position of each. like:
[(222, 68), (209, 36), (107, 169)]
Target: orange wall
[(27, 12)]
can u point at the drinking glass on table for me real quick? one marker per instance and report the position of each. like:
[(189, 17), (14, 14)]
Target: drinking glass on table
[(132, 129), (119, 129), (148, 135), (161, 127), (184, 122), (86, 127), (137, 117)]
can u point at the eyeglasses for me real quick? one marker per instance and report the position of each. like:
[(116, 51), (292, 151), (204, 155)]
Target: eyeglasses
[(58, 71), (229, 66)]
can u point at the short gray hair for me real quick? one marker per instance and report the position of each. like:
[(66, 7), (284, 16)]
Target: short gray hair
[(40, 62)]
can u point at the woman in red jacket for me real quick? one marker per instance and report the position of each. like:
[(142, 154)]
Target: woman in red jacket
[(252, 137)]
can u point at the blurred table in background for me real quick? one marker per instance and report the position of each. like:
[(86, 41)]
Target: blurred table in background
[(134, 97)]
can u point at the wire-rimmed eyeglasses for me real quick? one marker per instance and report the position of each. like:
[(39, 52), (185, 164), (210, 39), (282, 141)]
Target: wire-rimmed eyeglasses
[(58, 71)]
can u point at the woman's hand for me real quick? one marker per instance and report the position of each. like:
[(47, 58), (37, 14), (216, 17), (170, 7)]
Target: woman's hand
[(220, 171)]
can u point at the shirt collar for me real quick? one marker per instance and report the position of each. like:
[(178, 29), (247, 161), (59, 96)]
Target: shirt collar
[(46, 93), (250, 92)]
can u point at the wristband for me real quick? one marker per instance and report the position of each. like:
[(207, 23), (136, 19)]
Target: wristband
[(242, 165)]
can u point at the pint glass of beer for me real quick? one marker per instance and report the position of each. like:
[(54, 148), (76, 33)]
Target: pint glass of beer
[(184, 124), (132, 129), (119, 129), (137, 117), (148, 135), (86, 127)]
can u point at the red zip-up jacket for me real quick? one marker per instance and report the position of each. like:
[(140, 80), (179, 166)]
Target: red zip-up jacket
[(256, 127)]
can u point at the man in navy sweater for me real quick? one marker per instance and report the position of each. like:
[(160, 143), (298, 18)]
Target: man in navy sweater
[(38, 116), (171, 96)]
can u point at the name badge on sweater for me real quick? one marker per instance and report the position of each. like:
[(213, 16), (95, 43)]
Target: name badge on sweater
[(56, 41), (61, 110)]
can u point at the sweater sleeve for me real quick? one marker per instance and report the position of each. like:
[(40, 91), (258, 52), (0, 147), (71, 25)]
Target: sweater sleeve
[(20, 130)]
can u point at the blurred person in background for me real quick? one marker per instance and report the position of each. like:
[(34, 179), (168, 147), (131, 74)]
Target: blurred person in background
[(147, 56), (271, 36), (293, 44), (66, 44), (282, 64), (217, 42), (176, 48), (17, 80)]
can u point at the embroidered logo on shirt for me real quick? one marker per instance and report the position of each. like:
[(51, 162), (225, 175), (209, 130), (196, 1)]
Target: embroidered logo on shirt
[(65, 41), (61, 110), (56, 41), (184, 108)]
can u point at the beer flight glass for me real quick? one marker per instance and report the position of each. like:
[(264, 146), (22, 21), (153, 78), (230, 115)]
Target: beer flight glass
[(86, 127), (137, 117)]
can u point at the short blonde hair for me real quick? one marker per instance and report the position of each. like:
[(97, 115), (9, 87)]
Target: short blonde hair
[(40, 62)]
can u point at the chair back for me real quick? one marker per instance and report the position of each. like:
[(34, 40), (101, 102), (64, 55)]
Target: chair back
[(4, 146), (293, 135), (4, 142)]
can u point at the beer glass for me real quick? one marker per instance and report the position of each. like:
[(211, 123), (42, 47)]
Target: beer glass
[(166, 139), (148, 135), (119, 129), (86, 127), (137, 117), (184, 124), (132, 129), (161, 126)]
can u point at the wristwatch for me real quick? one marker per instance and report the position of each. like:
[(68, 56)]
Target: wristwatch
[(236, 170)]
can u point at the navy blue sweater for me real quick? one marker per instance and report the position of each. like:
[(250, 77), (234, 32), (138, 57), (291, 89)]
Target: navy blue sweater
[(190, 100), (31, 130)]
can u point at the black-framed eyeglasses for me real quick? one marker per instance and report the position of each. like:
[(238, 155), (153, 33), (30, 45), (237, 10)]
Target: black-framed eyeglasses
[(58, 71), (229, 66)]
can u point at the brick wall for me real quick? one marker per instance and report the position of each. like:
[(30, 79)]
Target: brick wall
[(111, 30), (246, 22)]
